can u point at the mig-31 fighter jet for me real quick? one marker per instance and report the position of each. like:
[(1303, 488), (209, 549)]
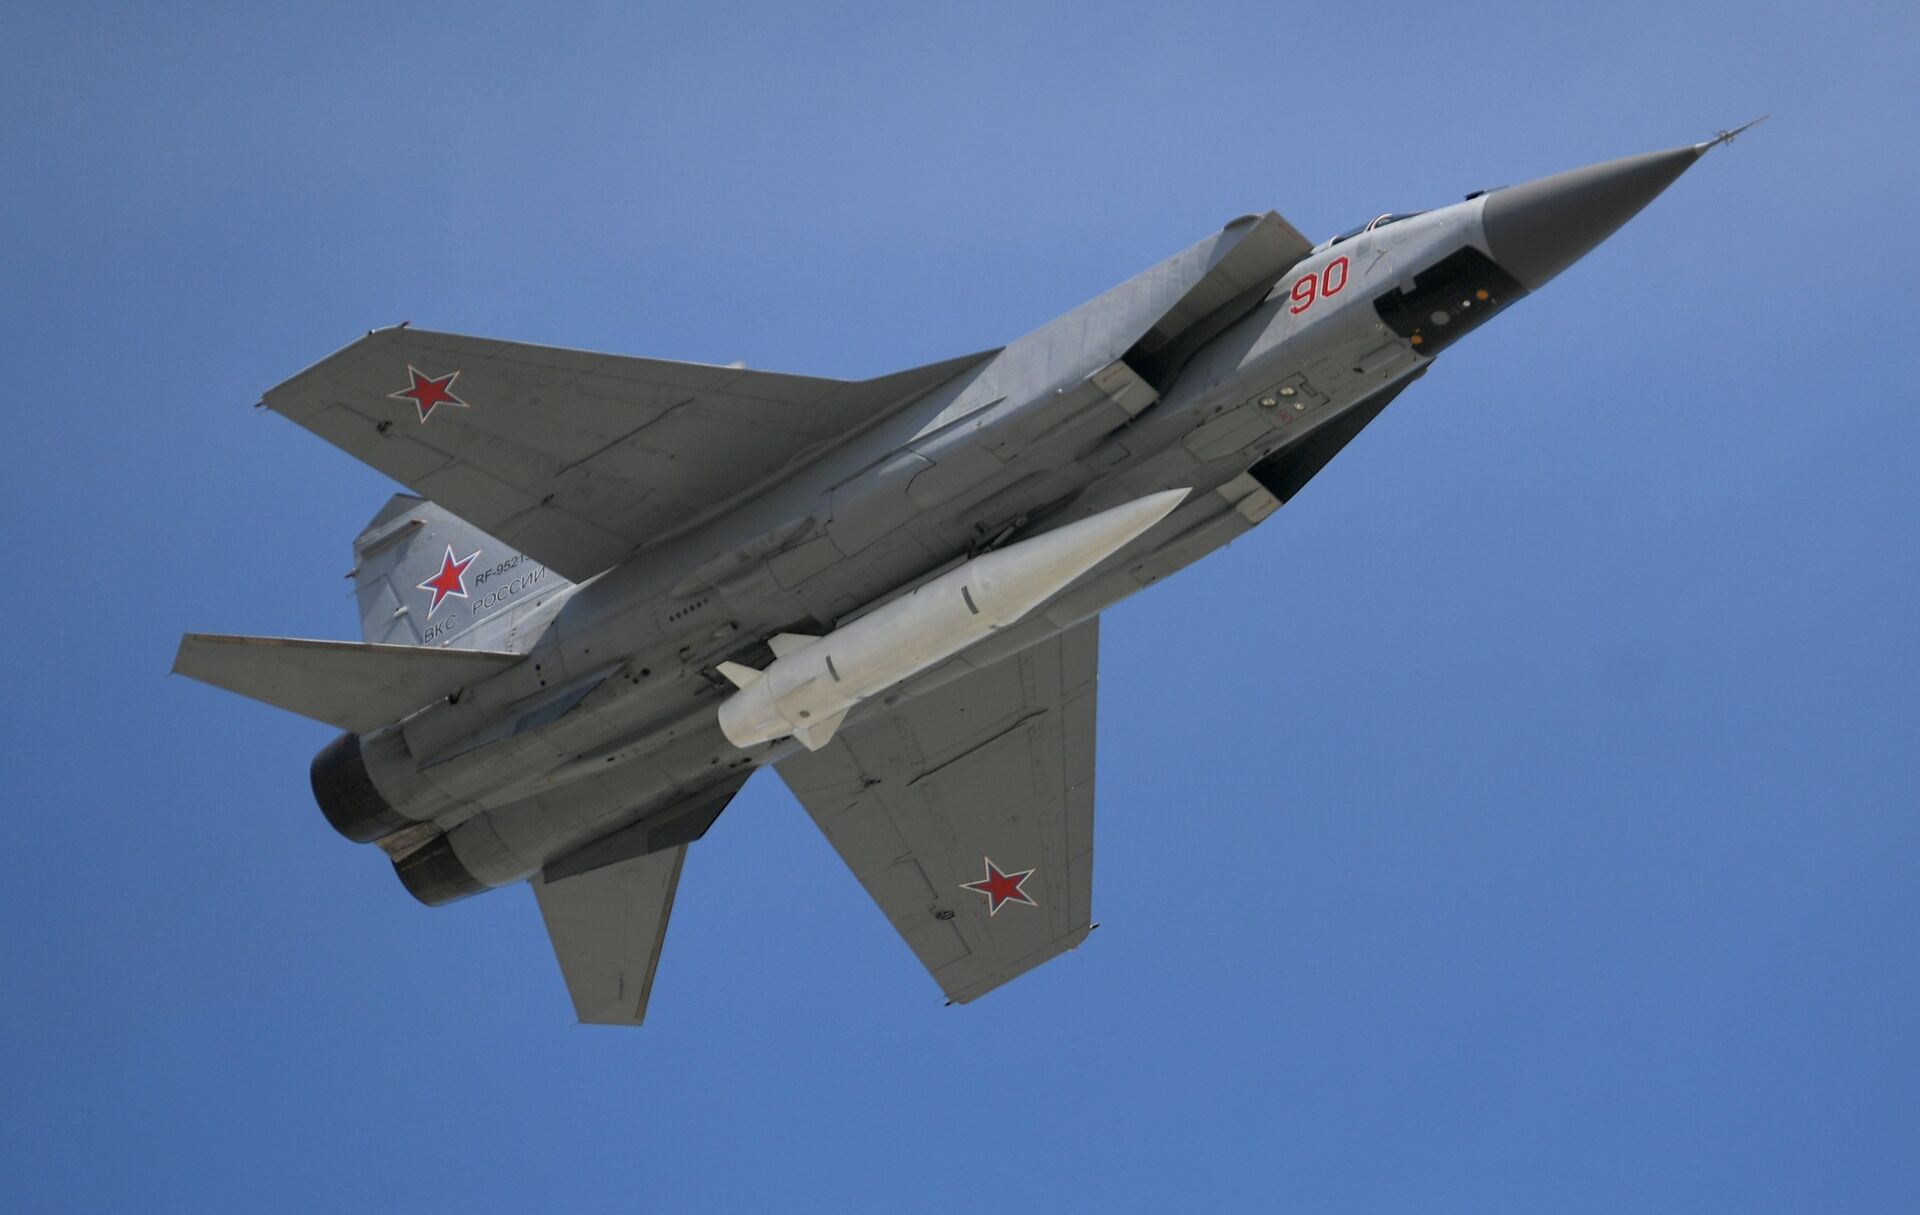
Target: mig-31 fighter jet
[(620, 586)]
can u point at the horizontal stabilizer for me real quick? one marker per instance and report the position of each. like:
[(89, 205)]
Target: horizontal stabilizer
[(357, 686)]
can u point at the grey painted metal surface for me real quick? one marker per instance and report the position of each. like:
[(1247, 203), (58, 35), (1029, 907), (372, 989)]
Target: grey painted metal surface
[(608, 926), (968, 813), (597, 548)]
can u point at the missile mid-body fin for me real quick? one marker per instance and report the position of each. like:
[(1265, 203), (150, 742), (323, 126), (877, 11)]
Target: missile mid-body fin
[(816, 735), (783, 644)]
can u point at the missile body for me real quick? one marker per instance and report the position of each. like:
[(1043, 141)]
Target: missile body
[(814, 681)]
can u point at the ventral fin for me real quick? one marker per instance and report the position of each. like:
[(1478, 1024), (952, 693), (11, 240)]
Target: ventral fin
[(783, 644)]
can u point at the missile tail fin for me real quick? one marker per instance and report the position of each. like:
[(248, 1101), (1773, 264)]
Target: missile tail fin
[(820, 733), (739, 676), (783, 644)]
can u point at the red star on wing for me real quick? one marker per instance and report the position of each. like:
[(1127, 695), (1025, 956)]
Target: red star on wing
[(427, 391), (1002, 888), (451, 581)]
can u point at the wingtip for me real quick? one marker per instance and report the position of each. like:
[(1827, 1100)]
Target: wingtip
[(184, 651)]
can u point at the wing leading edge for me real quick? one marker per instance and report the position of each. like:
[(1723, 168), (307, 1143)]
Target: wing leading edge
[(967, 812), (577, 459), (357, 686)]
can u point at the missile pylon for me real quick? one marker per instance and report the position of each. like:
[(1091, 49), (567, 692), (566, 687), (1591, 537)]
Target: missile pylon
[(814, 682)]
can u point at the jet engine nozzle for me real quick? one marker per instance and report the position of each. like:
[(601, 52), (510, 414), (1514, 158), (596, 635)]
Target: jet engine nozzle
[(434, 873), (347, 795), (1539, 228)]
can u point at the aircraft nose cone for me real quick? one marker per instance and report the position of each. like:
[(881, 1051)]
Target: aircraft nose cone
[(1537, 229)]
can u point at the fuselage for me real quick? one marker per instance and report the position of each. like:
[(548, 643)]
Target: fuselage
[(614, 715)]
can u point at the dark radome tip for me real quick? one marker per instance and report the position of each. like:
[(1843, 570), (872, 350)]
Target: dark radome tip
[(1537, 229), (346, 794), (434, 874)]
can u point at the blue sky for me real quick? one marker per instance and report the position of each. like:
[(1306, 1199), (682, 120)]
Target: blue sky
[(1523, 819)]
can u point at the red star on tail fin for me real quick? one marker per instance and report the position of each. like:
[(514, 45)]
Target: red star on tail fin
[(451, 581)]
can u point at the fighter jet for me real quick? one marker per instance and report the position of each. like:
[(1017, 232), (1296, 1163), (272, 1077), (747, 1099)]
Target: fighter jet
[(621, 586)]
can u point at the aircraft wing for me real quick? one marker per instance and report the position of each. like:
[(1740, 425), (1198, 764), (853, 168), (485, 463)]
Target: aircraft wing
[(576, 459), (967, 812)]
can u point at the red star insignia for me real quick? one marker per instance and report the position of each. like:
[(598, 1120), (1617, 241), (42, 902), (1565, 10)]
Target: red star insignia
[(451, 581), (1002, 888), (426, 391)]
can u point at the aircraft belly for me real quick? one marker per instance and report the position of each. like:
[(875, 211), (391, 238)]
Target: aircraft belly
[(482, 852), (508, 843), (534, 830), (548, 793), (1230, 433), (799, 564)]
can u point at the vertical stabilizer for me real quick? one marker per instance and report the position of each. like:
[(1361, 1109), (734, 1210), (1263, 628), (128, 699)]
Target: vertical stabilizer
[(424, 576)]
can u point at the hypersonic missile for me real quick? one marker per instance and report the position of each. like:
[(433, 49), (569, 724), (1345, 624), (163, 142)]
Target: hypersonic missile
[(814, 681)]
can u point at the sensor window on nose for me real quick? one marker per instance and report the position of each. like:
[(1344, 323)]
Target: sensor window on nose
[(1449, 300)]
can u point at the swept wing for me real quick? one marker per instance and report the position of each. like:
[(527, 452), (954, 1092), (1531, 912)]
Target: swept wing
[(576, 459), (967, 812)]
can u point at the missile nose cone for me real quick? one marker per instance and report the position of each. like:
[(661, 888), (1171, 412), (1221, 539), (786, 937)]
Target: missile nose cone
[(1021, 575), (1537, 229), (1109, 530), (1155, 507), (1080, 546)]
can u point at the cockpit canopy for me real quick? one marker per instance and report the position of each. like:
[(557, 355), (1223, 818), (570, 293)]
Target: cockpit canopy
[(1378, 221)]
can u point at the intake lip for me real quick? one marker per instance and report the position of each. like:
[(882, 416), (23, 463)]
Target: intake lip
[(1539, 228)]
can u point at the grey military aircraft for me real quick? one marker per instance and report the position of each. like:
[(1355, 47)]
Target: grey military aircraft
[(621, 586)]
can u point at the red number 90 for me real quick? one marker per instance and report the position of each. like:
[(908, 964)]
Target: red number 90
[(1304, 291), (1327, 285)]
